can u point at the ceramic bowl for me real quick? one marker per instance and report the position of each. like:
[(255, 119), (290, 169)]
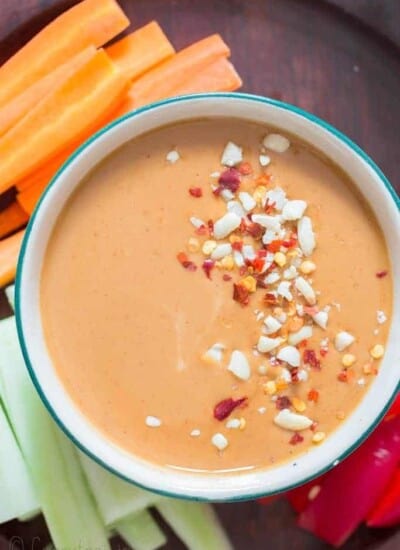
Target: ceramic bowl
[(214, 487)]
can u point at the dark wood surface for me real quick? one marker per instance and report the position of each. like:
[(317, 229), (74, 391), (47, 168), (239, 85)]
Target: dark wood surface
[(305, 52)]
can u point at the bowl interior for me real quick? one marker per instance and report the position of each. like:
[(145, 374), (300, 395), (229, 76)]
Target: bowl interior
[(216, 487)]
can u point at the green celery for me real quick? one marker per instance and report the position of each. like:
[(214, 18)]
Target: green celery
[(141, 531)]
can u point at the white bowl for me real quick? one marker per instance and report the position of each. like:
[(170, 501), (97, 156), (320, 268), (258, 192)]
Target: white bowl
[(215, 487)]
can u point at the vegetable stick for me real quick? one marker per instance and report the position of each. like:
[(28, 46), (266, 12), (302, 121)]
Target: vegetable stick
[(9, 251), (12, 218), (141, 532), (196, 524), (91, 22), (17, 493), (61, 118), (51, 458), (20, 105), (116, 499), (141, 50), (386, 512), (161, 81), (10, 293), (219, 76)]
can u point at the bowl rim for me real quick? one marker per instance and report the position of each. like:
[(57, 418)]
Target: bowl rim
[(31, 370)]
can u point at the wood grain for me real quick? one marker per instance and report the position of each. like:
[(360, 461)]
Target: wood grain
[(304, 52)]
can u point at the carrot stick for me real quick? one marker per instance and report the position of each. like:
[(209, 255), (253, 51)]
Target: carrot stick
[(141, 50), (47, 171), (9, 251), (219, 76), (162, 80), (12, 218), (91, 22), (18, 107), (60, 119)]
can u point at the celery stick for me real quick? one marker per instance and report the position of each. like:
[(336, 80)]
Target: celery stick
[(17, 495), (10, 292), (59, 482), (30, 515), (116, 499), (196, 524), (141, 531)]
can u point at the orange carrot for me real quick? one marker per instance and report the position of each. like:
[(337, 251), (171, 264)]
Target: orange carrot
[(18, 107), (161, 81), (9, 251), (141, 50), (12, 218), (219, 76), (91, 22), (60, 119)]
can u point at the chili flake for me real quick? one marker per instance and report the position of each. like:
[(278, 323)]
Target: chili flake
[(296, 438), (241, 294), (283, 402), (245, 168), (202, 230), (226, 277), (185, 262), (343, 376), (269, 207), (207, 266), (313, 395), (274, 246), (255, 230), (311, 359), (381, 274), (224, 408), (230, 179), (196, 192), (270, 299)]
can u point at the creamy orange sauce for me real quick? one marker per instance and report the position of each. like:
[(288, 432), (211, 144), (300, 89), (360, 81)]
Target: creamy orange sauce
[(127, 325)]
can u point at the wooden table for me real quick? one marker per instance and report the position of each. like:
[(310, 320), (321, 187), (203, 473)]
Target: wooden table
[(304, 52)]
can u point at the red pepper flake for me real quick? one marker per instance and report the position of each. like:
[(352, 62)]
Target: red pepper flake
[(230, 179), (314, 426), (269, 207), (283, 402), (226, 277), (224, 408), (207, 266), (311, 359), (242, 229), (185, 262), (343, 376), (196, 192), (381, 274), (241, 294), (270, 299), (242, 270), (310, 310), (291, 242), (202, 230), (323, 352), (274, 246), (237, 245), (294, 374), (245, 168), (313, 395), (210, 225), (303, 344), (296, 438), (258, 264), (260, 281), (255, 230)]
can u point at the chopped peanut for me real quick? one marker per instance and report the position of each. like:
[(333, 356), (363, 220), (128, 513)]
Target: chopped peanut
[(295, 324), (242, 423), (208, 247), (280, 259), (318, 437), (259, 194), (307, 267), (249, 283), (193, 245), (298, 404), (270, 387), (377, 351), (348, 359), (228, 263), (367, 368)]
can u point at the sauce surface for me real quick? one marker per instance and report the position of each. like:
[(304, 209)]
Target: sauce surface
[(127, 324)]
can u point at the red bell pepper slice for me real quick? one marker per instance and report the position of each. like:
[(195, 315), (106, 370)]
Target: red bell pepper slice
[(386, 512), (301, 497), (351, 489)]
